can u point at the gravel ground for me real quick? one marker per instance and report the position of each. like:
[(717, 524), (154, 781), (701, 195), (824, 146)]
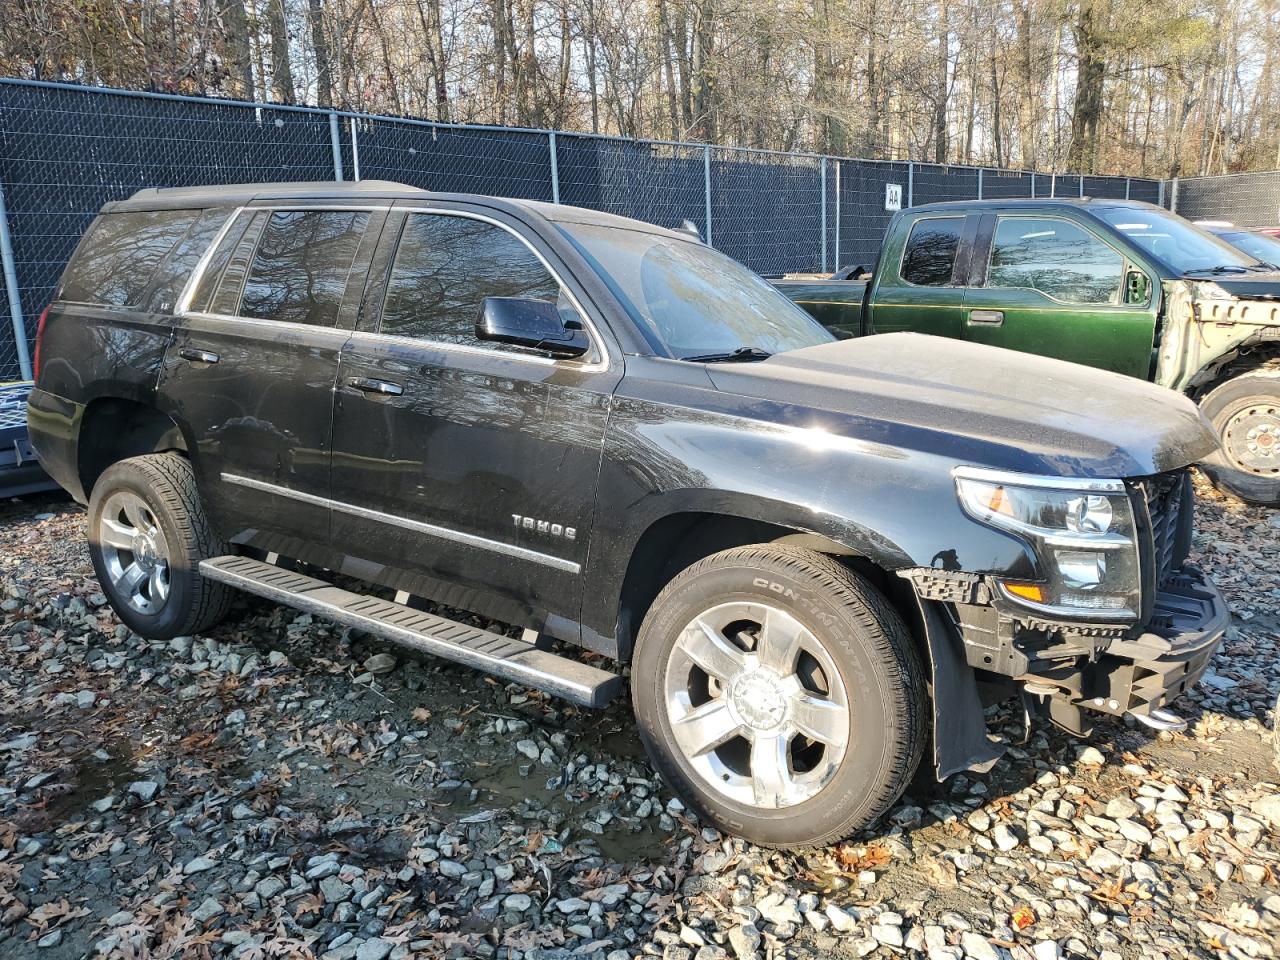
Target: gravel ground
[(280, 788)]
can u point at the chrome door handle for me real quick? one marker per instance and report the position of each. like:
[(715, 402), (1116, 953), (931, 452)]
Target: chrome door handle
[(986, 318), (382, 387), (198, 356)]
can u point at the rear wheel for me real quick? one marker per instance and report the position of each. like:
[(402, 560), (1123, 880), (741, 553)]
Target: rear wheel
[(1245, 412), (147, 535), (780, 695)]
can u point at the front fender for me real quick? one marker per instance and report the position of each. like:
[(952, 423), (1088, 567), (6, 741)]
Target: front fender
[(896, 507)]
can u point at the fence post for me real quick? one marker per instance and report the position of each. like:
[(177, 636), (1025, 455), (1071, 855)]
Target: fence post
[(1033, 184), (355, 150), (706, 188), (1053, 186), (911, 183), (1128, 182), (1160, 194), (1173, 200), (336, 142), (555, 167), (979, 183), (11, 289), (824, 214), (1082, 186), (838, 214)]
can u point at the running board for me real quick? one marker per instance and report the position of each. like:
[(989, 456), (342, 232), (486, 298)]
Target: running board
[(516, 660)]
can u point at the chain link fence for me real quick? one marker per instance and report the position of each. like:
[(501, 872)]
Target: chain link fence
[(1245, 199), (67, 150)]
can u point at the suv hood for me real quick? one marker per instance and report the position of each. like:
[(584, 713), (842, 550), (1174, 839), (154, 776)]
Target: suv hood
[(979, 405)]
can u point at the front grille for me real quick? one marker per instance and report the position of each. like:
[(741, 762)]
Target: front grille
[(1169, 505)]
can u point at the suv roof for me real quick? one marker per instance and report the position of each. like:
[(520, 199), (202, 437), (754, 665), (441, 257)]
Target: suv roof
[(1036, 202), (161, 198)]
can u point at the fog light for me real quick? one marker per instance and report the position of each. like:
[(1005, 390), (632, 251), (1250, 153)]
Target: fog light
[(1081, 569)]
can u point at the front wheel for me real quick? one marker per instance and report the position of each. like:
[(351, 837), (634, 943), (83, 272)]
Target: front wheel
[(780, 695), (1245, 411)]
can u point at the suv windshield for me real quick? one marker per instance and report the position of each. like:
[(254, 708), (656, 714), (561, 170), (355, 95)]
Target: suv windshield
[(1182, 245), (692, 300)]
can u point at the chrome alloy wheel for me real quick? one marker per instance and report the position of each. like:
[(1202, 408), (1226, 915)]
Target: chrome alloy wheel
[(756, 705), (134, 552), (1252, 438)]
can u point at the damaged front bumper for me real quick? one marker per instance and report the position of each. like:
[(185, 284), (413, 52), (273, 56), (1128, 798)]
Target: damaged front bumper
[(1067, 673), (1139, 675)]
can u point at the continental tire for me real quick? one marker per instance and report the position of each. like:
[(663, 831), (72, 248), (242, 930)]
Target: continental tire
[(147, 535), (780, 695), (1245, 412)]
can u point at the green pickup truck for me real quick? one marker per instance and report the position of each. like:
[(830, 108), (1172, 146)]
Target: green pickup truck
[(1116, 284)]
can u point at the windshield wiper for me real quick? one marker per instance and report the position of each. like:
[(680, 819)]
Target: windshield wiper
[(741, 355), (1222, 269)]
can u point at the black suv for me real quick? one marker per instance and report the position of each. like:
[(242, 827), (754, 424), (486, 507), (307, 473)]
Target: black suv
[(360, 400)]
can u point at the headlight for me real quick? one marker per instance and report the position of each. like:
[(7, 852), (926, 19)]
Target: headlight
[(1081, 530)]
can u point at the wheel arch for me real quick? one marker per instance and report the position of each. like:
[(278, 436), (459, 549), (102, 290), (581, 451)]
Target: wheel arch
[(674, 541), (1254, 354), (116, 428)]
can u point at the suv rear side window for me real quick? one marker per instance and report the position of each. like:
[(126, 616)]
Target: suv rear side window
[(1057, 258), (119, 256), (445, 266), (299, 272), (930, 257)]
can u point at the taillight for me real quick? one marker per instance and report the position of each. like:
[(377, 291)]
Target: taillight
[(35, 358)]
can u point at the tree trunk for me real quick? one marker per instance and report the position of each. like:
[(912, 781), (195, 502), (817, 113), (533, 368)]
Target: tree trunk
[(320, 49), (942, 85), (704, 110), (281, 72), (1091, 74), (236, 22)]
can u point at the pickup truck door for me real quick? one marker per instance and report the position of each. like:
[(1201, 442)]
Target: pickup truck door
[(921, 278), (1048, 285), (250, 371), (465, 471)]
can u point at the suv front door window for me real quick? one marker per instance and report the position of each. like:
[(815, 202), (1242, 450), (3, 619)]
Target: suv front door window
[(461, 460), (1055, 288)]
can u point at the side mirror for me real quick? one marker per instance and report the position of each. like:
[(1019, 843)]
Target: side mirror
[(1137, 287), (527, 322)]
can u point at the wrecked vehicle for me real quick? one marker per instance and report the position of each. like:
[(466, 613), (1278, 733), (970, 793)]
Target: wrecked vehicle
[(362, 400), (1116, 284)]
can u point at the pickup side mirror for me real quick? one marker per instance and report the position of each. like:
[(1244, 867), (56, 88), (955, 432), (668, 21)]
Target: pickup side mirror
[(532, 323), (1137, 287)]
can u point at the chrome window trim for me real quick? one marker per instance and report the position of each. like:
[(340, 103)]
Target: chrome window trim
[(1036, 480), (183, 306), (417, 526)]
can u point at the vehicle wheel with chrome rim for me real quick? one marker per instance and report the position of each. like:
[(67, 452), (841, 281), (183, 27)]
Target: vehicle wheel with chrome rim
[(780, 694), (147, 535), (1245, 412)]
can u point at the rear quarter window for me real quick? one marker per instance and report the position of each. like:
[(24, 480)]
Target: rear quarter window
[(119, 255)]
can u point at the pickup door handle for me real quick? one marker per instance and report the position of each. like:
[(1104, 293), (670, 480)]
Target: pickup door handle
[(986, 318), (198, 356), (382, 387)]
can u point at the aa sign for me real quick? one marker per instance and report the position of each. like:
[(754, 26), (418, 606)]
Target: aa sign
[(893, 196)]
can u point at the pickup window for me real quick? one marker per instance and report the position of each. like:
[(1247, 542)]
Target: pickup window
[(930, 256), (1055, 257), (444, 268)]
